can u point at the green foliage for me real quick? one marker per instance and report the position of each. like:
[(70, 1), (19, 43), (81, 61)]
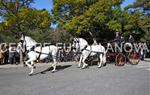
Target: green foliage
[(95, 16), (139, 19), (59, 35), (114, 25), (103, 17), (20, 18), (98, 19)]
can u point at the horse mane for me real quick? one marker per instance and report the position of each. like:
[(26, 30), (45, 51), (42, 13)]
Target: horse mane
[(84, 40), (29, 38)]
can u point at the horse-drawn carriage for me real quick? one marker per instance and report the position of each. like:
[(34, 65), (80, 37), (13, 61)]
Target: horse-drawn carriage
[(82, 47), (120, 53)]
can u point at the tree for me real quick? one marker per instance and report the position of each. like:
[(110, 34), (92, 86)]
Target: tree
[(20, 18), (139, 20), (93, 16)]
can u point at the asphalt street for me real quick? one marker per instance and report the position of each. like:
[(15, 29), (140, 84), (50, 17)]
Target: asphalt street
[(70, 80)]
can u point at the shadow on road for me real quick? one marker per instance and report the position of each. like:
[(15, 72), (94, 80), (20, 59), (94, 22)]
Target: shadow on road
[(94, 63), (147, 60), (59, 68)]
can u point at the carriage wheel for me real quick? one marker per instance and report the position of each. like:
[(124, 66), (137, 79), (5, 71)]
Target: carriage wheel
[(133, 58), (120, 59)]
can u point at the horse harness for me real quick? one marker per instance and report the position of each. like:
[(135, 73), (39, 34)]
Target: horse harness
[(39, 52), (91, 51), (85, 48)]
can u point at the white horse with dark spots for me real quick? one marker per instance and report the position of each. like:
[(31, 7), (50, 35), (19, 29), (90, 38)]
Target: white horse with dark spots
[(81, 45), (35, 53)]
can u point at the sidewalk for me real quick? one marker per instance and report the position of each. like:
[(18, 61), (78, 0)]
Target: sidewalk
[(37, 64), (147, 60)]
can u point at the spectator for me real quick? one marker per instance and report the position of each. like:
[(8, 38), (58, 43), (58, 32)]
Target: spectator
[(131, 39), (142, 51), (17, 58), (12, 55), (6, 55), (122, 40), (1, 56), (17, 55)]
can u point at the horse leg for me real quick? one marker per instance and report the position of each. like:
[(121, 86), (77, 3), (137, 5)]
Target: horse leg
[(30, 66), (100, 61), (80, 61), (54, 65), (104, 59), (83, 61)]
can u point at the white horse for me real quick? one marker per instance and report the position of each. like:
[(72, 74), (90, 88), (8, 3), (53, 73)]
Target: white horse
[(86, 50), (37, 52)]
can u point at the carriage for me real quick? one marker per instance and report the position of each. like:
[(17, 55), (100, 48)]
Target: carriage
[(121, 58)]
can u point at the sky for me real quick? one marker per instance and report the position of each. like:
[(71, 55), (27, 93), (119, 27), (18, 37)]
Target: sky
[(48, 4), (127, 2), (43, 4)]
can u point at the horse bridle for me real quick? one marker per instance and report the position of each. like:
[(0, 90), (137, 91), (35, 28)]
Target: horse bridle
[(76, 41), (31, 49), (22, 44)]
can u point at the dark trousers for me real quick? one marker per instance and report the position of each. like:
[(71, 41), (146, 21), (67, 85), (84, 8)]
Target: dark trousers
[(1, 61), (12, 60), (142, 56), (17, 60), (6, 60), (6, 57)]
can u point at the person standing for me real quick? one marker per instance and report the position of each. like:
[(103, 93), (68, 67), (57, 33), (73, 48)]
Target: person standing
[(142, 51), (6, 54), (131, 39), (17, 56), (1, 56), (11, 55)]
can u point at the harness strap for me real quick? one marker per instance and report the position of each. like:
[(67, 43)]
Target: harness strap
[(41, 52), (79, 52), (92, 51), (38, 58), (84, 48)]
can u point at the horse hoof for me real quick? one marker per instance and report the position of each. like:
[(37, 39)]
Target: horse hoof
[(78, 67), (34, 67), (99, 66), (85, 67), (54, 71), (30, 74)]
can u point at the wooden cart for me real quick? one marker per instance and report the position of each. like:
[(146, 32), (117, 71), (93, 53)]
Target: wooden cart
[(121, 59)]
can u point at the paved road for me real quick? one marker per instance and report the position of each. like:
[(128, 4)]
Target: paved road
[(69, 80)]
